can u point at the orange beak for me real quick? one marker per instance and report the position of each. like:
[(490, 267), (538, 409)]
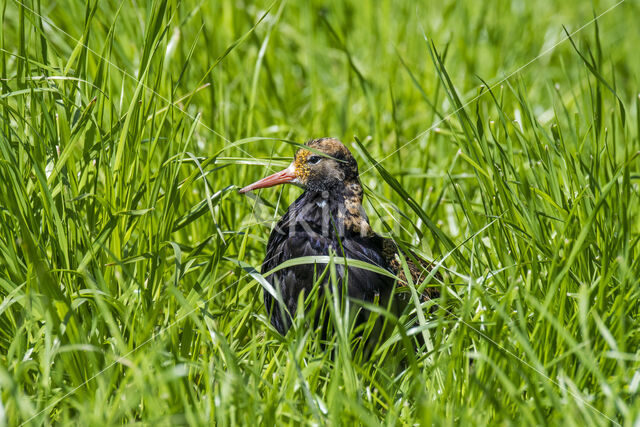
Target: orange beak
[(282, 177)]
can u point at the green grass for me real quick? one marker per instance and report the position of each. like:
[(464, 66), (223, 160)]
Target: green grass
[(126, 252)]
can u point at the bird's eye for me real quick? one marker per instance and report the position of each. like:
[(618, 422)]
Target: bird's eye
[(314, 160)]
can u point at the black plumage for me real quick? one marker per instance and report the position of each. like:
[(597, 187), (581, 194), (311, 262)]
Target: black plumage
[(328, 218)]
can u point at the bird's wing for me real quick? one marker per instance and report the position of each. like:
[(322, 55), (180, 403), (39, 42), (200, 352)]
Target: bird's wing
[(418, 268)]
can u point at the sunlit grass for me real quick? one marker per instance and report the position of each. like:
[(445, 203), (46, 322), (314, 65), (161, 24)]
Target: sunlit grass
[(128, 261)]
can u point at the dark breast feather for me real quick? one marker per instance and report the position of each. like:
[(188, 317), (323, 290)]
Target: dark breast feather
[(290, 240)]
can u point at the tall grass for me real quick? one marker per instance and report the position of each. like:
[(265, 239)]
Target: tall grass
[(128, 260)]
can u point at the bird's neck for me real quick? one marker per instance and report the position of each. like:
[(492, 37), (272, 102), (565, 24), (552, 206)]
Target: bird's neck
[(338, 211)]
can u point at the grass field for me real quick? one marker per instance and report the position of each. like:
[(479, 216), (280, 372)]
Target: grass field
[(491, 143)]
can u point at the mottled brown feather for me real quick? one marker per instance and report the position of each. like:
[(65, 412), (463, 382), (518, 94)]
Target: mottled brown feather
[(418, 272)]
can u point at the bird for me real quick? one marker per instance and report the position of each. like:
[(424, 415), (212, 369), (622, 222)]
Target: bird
[(329, 218)]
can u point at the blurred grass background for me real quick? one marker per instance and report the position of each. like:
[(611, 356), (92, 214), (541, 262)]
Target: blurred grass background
[(125, 251)]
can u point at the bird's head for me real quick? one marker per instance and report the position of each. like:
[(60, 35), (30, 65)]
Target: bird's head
[(322, 165)]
